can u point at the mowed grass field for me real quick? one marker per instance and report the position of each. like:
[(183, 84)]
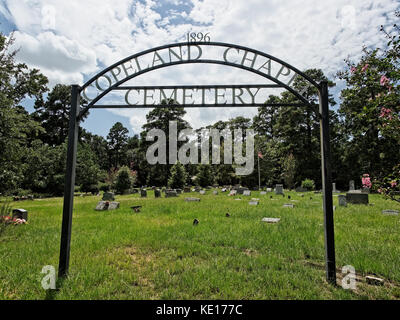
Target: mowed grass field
[(159, 254)]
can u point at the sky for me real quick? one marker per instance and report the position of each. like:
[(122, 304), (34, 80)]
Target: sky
[(71, 41)]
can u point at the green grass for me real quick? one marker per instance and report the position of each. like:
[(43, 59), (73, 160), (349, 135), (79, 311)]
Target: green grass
[(159, 254)]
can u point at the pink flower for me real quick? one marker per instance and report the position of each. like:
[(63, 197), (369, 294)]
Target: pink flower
[(366, 181), (380, 190), (384, 81), (365, 68), (393, 183), (387, 113), (353, 69)]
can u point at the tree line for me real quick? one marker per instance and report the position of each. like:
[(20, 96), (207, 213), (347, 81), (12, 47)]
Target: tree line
[(364, 132)]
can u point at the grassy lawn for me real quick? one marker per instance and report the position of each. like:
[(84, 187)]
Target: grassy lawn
[(159, 254)]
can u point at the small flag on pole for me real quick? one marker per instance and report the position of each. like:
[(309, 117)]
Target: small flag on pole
[(260, 155)]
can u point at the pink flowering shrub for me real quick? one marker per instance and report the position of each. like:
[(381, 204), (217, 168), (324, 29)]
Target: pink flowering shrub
[(389, 186), (366, 181)]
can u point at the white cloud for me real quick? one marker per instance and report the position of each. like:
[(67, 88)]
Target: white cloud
[(88, 35)]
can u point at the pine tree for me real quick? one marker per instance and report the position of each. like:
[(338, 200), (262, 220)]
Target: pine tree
[(178, 176)]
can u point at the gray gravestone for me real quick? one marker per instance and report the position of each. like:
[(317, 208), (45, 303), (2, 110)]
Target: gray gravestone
[(179, 191), (202, 192), (113, 206), (271, 220), (391, 212), (171, 194), (288, 205), (215, 193), (269, 189), (247, 193), (365, 190), (351, 185), (233, 193), (223, 190), (102, 205), (157, 193), (253, 203), (263, 193), (357, 198), (108, 196), (279, 189), (334, 188), (143, 193), (342, 201), (192, 200)]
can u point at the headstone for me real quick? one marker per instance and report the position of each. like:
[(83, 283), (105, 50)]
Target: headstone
[(241, 190), (357, 198), (365, 190), (223, 190), (300, 189), (215, 193), (171, 194), (179, 191), (334, 188), (157, 193), (391, 212), (253, 203), (374, 280), (342, 201), (143, 193), (108, 196), (227, 215), (232, 193), (192, 200), (269, 189), (113, 206), (196, 222), (263, 193), (351, 185), (202, 192), (247, 193), (288, 205), (279, 189), (186, 189), (20, 214), (102, 206), (271, 220)]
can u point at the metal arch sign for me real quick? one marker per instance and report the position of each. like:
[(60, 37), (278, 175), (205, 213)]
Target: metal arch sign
[(281, 74), (111, 79)]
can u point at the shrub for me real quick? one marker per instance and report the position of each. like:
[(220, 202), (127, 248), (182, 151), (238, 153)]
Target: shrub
[(124, 180), (308, 184)]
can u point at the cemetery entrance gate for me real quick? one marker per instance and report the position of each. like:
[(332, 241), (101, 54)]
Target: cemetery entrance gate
[(276, 73)]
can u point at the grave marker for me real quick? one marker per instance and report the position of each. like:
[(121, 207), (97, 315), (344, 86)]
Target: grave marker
[(271, 220)]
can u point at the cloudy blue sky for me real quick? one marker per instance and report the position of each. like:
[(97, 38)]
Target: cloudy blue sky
[(70, 41)]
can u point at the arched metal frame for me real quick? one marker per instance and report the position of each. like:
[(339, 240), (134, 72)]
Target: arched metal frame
[(76, 114)]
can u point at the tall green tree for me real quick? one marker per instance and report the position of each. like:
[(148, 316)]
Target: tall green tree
[(117, 145), (177, 178), (17, 128)]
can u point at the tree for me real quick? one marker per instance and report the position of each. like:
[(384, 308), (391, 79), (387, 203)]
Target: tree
[(289, 171), (117, 143), (17, 128), (53, 114), (88, 173), (124, 181), (177, 178), (205, 175), (371, 111), (160, 118)]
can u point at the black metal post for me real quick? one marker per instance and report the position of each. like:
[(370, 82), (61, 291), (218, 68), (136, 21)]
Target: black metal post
[(327, 184), (69, 183)]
